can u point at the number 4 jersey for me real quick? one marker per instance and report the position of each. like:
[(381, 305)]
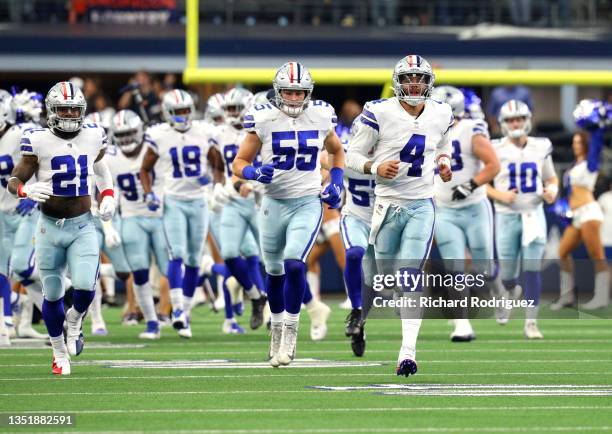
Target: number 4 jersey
[(182, 157), (292, 146), (524, 170), (66, 164)]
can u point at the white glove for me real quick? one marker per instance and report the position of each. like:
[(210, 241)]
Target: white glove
[(106, 210), (39, 191), (221, 194), (112, 238)]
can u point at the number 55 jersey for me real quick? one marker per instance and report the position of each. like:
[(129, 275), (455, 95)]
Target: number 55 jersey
[(292, 146)]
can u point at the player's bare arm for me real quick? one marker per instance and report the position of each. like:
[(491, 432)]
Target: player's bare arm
[(215, 160), (483, 149), (334, 149), (247, 152), (148, 162), (506, 197)]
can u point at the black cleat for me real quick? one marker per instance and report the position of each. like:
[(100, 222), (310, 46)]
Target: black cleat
[(257, 311), (358, 342), (353, 323), (406, 368)]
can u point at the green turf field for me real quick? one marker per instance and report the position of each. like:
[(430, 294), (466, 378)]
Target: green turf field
[(561, 384)]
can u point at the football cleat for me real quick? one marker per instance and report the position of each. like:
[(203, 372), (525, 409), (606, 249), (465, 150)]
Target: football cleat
[(346, 304), (185, 332), (276, 335), (406, 368), (164, 320), (131, 319), (179, 319), (152, 332), (532, 331), (12, 333), (286, 352), (60, 366), (75, 340), (231, 327), (4, 336), (463, 331), (358, 342), (257, 312), (353, 323), (319, 313)]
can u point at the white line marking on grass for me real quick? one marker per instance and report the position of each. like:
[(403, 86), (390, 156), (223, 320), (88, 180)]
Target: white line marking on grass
[(181, 377)]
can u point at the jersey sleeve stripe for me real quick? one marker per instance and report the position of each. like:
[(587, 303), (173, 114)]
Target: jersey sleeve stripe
[(369, 123), (26, 148), (249, 118), (148, 140), (249, 125), (25, 141), (369, 114)]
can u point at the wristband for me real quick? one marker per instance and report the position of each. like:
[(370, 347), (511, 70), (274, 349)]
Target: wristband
[(374, 168), (20, 192), (108, 192), (336, 174)]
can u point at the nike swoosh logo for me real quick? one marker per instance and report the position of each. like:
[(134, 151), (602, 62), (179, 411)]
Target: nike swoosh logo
[(82, 226)]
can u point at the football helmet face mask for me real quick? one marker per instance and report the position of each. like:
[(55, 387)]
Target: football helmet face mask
[(292, 76), (66, 107), (236, 102), (178, 109), (412, 79), (127, 131), (214, 109), (514, 109), (453, 97)]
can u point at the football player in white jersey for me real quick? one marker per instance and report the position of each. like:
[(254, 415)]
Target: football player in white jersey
[(290, 133), (526, 179), (142, 233), (63, 157), (402, 140), (464, 214), (239, 228), (355, 230), (179, 150), (19, 216), (214, 110)]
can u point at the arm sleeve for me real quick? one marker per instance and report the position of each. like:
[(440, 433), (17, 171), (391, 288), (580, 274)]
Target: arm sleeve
[(365, 136), (104, 179)]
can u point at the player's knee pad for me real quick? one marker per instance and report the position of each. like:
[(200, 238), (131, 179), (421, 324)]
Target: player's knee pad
[(53, 286), (354, 254), (85, 274), (331, 228), (274, 268)]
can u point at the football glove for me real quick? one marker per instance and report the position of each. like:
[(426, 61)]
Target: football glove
[(39, 191), (112, 238), (152, 201), (461, 191), (204, 180), (106, 209), (26, 206), (262, 174), (332, 196)]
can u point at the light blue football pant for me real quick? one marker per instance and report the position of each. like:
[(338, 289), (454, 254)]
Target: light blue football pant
[(355, 233), (186, 225), (116, 254), (468, 227), (142, 236), (405, 236), (22, 259), (288, 229), (510, 249), (9, 224), (69, 242), (239, 229)]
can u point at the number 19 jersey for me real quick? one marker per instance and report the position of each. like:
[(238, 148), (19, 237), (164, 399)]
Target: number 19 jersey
[(182, 157), (292, 146)]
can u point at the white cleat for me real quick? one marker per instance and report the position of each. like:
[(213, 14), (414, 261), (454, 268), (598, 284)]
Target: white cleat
[(595, 303), (4, 339), (319, 313), (532, 331), (346, 304), (74, 332), (502, 314), (152, 332), (463, 331), (286, 352), (231, 327), (185, 332), (28, 332), (276, 335), (12, 333), (60, 366)]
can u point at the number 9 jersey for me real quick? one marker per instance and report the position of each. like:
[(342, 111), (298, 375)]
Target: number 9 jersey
[(67, 164), (182, 157), (524, 170), (292, 146)]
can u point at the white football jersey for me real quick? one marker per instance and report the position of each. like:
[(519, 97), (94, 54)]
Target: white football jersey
[(292, 146), (524, 169), (229, 140), (10, 146), (66, 164), (390, 133), (359, 188), (126, 178), (182, 157), (464, 163)]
